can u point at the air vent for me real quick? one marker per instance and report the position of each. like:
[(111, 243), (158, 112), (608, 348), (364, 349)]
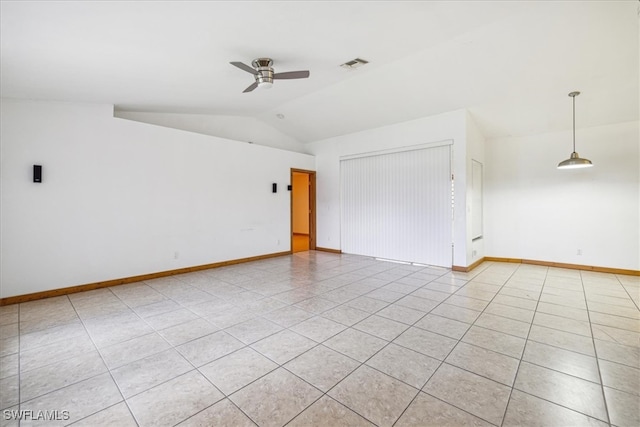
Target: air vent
[(354, 63)]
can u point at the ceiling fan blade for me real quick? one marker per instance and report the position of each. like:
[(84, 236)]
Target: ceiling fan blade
[(250, 88), (292, 75), (244, 67)]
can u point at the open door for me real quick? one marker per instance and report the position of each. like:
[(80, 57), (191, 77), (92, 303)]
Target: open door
[(303, 210)]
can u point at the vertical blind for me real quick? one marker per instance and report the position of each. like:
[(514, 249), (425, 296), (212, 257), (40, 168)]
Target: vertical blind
[(398, 206)]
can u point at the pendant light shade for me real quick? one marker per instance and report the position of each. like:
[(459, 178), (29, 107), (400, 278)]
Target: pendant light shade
[(574, 161)]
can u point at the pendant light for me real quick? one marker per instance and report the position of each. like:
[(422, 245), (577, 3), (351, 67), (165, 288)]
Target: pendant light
[(575, 161)]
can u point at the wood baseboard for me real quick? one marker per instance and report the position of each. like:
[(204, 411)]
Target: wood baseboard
[(565, 265), (115, 282), (333, 251), (468, 268)]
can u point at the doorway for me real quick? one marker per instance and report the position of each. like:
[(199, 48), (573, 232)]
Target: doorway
[(303, 210)]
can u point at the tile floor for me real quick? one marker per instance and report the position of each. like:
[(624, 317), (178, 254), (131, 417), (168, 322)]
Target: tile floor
[(323, 339)]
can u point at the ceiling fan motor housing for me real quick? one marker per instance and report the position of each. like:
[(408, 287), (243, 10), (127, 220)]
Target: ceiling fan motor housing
[(264, 78)]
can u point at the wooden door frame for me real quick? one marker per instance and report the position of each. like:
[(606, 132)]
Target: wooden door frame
[(312, 206)]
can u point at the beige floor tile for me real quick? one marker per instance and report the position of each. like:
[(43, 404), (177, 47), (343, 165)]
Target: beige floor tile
[(496, 341), (53, 319), (473, 292), (322, 367), (515, 301), (443, 326), (477, 395), (364, 303), (598, 307), (355, 344), (623, 407), (234, 371), (510, 312), (487, 363), (326, 412), (619, 336), (318, 328), (401, 314), (46, 379), (345, 315), (112, 329), (620, 377), (565, 340), (427, 411), (231, 317), (157, 308), (116, 416), (527, 410), (174, 401), (425, 342), (149, 372), (456, 313), (253, 330), (9, 346), (467, 302), (615, 321), (416, 303), (188, 331), (288, 316), (565, 301), (562, 389), (283, 346), (374, 395), (405, 365), (441, 287), (171, 318), (52, 335), (208, 348), (81, 399), (558, 359), (563, 324), (531, 295), (385, 295), (55, 352), (618, 353), (129, 351), (562, 311), (431, 294), (221, 414), (316, 305), (9, 365), (9, 391), (276, 398), (381, 327)]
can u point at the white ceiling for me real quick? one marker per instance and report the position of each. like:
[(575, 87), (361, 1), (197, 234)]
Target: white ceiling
[(511, 63)]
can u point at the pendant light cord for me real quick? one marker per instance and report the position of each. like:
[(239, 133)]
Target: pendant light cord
[(574, 124)]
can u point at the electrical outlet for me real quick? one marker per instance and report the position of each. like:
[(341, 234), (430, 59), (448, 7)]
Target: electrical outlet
[(579, 251), (176, 255)]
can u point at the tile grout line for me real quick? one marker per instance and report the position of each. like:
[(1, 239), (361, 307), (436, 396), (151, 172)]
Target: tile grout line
[(595, 350), (105, 364), (524, 348)]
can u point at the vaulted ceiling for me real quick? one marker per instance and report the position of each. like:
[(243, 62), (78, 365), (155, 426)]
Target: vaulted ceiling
[(510, 63)]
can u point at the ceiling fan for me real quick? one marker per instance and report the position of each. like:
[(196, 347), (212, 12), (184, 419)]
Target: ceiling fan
[(263, 72)]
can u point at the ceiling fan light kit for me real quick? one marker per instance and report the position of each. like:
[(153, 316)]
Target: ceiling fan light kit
[(262, 71), (574, 161)]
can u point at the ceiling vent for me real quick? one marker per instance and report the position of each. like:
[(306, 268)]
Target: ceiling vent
[(354, 63)]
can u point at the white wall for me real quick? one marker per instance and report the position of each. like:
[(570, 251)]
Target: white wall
[(237, 128), (121, 198), (535, 211), (448, 126), (475, 151)]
